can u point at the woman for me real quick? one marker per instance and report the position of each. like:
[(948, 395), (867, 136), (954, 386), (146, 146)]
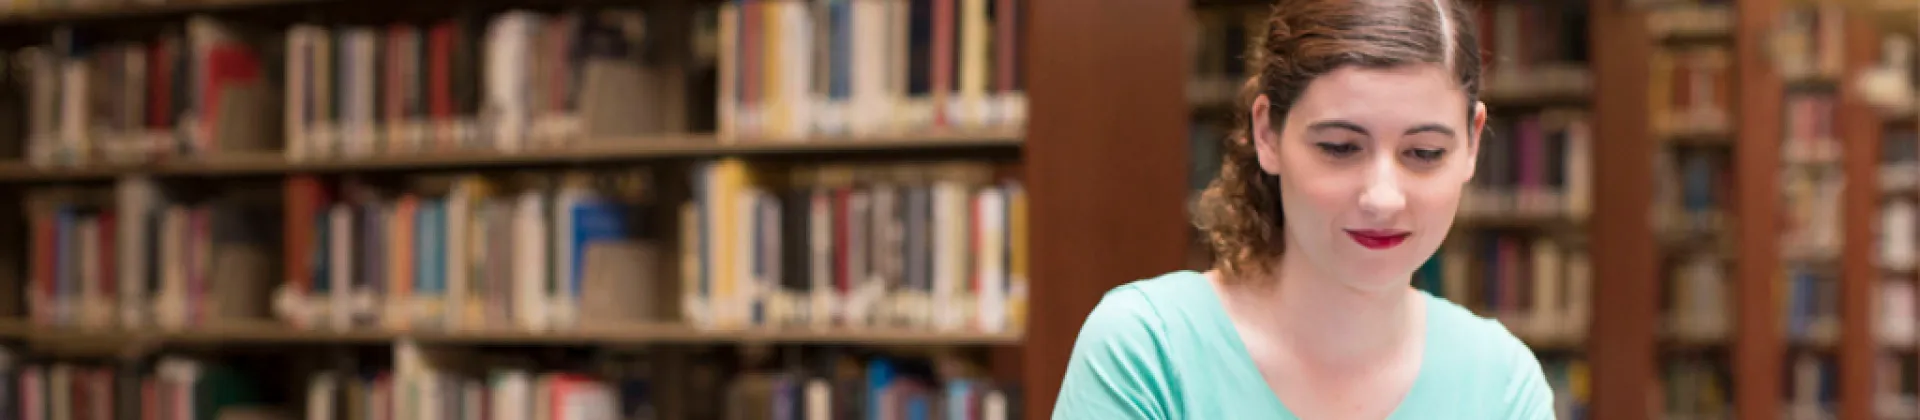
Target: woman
[(1360, 133)]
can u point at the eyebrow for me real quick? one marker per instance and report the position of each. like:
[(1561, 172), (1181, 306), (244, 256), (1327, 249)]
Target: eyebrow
[(1431, 128), (1356, 128)]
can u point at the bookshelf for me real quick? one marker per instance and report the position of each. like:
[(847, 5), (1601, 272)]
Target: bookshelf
[(628, 150), (1085, 149)]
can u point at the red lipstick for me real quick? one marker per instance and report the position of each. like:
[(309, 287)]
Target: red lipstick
[(1378, 239)]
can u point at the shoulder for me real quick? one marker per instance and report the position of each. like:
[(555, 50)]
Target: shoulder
[(1504, 372), (1119, 367), (1135, 314)]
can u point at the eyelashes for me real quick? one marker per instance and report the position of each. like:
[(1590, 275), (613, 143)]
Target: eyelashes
[(1338, 150), (1343, 150)]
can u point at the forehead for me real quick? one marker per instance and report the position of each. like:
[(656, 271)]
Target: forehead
[(1386, 97)]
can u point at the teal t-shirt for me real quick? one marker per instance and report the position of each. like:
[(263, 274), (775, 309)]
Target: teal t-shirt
[(1165, 349)]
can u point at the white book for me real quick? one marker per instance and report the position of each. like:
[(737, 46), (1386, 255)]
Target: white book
[(134, 198), (362, 101), (340, 244), (990, 265), (949, 255), (320, 392), (1579, 285), (323, 136), (796, 53), (512, 395), (898, 56), (869, 76), (993, 406), (825, 302), (739, 305), (819, 397), (509, 50), (1898, 226), (1897, 314), (1548, 282), (171, 305), (299, 39), (530, 261), (73, 112)]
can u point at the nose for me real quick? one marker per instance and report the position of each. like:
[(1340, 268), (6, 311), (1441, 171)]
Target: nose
[(1382, 198)]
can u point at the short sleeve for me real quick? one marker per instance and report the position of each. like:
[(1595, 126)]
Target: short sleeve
[(1528, 395), (1117, 370)]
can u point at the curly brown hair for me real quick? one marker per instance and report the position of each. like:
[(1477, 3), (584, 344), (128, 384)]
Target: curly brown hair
[(1239, 212)]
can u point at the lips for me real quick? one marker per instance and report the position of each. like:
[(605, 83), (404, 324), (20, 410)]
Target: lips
[(1378, 239)]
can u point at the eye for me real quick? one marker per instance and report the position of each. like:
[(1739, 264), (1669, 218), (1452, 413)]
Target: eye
[(1338, 150), (1426, 155)]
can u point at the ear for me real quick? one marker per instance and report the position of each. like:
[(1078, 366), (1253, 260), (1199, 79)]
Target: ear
[(1474, 136), (1266, 140)]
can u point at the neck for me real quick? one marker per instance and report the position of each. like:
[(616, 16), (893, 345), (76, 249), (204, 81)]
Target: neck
[(1332, 323)]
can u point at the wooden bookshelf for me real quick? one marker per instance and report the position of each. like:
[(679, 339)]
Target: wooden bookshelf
[(654, 148), (254, 333)]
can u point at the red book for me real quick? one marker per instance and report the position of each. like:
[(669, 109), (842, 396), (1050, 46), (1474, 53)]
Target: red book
[(440, 86), (943, 62)]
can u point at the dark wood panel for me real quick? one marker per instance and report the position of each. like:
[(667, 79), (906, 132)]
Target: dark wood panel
[(1758, 339), (1625, 251), (1859, 130), (1106, 162)]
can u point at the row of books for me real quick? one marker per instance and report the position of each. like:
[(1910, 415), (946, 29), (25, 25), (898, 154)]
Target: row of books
[(1693, 189), (1539, 287), (1537, 163), (1699, 299), (795, 68), (1527, 46), (1534, 45), (418, 383), (529, 251), (1808, 42), (98, 258), (941, 247), (1813, 391), (170, 388), (1571, 382), (1810, 306), (1898, 235), (1692, 90), (1810, 136), (406, 88), (1696, 388), (1811, 212), (195, 88), (926, 246)]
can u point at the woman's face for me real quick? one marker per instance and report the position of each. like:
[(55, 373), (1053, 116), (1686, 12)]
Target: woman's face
[(1371, 163)]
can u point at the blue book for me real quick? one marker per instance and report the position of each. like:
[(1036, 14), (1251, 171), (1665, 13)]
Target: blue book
[(594, 220)]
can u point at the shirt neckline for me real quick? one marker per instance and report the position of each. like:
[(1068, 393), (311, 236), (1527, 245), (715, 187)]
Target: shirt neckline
[(1244, 358)]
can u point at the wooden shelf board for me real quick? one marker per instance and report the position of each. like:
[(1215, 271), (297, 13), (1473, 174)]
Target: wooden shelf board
[(270, 333), (127, 10), (608, 150)]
